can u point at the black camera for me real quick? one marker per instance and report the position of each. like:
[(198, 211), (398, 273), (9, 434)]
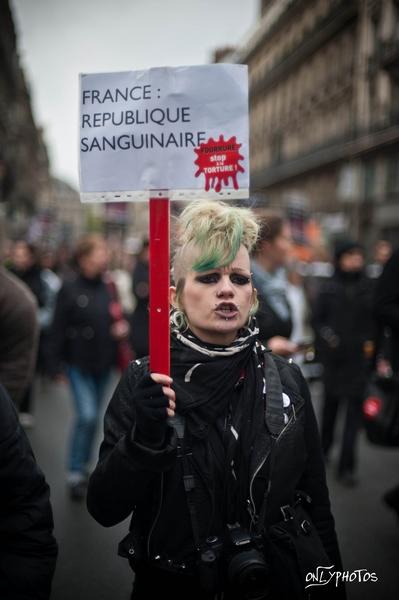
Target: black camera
[(235, 562)]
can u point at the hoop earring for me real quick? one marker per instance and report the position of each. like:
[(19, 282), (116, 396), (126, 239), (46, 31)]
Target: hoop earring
[(178, 319)]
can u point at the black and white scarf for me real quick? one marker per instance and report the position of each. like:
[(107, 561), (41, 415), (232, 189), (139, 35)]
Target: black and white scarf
[(206, 375), (206, 378)]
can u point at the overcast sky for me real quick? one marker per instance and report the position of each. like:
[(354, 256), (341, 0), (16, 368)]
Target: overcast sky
[(58, 39)]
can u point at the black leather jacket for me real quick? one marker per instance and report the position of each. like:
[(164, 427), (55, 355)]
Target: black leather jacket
[(132, 478), (28, 550)]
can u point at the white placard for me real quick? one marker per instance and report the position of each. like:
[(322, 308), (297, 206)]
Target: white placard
[(182, 129)]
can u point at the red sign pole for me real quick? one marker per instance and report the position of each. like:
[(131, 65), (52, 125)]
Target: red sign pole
[(159, 284)]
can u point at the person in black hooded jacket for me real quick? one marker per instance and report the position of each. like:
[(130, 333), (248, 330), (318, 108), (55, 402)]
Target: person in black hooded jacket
[(28, 550), (343, 324), (230, 497)]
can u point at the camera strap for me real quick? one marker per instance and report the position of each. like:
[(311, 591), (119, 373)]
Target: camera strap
[(188, 477), (274, 417), (275, 424), (274, 413)]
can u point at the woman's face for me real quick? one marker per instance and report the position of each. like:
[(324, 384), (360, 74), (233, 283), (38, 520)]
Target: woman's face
[(96, 262), (217, 302)]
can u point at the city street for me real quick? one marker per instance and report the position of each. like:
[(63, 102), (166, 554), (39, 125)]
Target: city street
[(248, 154), (88, 565)]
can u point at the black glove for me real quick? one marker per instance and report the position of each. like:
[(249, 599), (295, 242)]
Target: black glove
[(151, 413)]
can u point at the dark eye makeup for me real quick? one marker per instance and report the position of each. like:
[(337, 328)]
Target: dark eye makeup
[(235, 278)]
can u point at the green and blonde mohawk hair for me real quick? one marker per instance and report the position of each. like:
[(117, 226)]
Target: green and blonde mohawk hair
[(209, 235)]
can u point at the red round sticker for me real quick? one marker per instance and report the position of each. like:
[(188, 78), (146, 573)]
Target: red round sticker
[(218, 161)]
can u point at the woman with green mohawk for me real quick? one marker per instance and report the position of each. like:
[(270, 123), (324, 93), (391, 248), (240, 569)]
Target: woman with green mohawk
[(219, 466)]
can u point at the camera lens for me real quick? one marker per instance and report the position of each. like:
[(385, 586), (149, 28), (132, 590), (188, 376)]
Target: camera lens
[(248, 572)]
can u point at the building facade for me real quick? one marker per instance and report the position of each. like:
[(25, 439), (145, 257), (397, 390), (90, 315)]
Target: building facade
[(33, 204), (24, 165), (324, 111)]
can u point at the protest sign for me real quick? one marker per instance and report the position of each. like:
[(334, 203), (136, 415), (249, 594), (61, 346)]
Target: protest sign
[(158, 135), (182, 129)]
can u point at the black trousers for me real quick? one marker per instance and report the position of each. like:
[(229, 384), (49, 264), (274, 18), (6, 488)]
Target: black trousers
[(26, 405), (150, 582), (352, 424)]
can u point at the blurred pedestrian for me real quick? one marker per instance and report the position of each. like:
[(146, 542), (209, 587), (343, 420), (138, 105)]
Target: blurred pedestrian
[(301, 334), (386, 310), (342, 321), (299, 305), (317, 271), (204, 524), (381, 255), (25, 265), (83, 348), (141, 290), (121, 273), (269, 259), (28, 550), (36, 270), (48, 259), (19, 332), (64, 262), (44, 284)]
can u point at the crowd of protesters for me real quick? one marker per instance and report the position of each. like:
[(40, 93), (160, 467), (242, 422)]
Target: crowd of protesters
[(69, 320), (300, 315), (82, 312)]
